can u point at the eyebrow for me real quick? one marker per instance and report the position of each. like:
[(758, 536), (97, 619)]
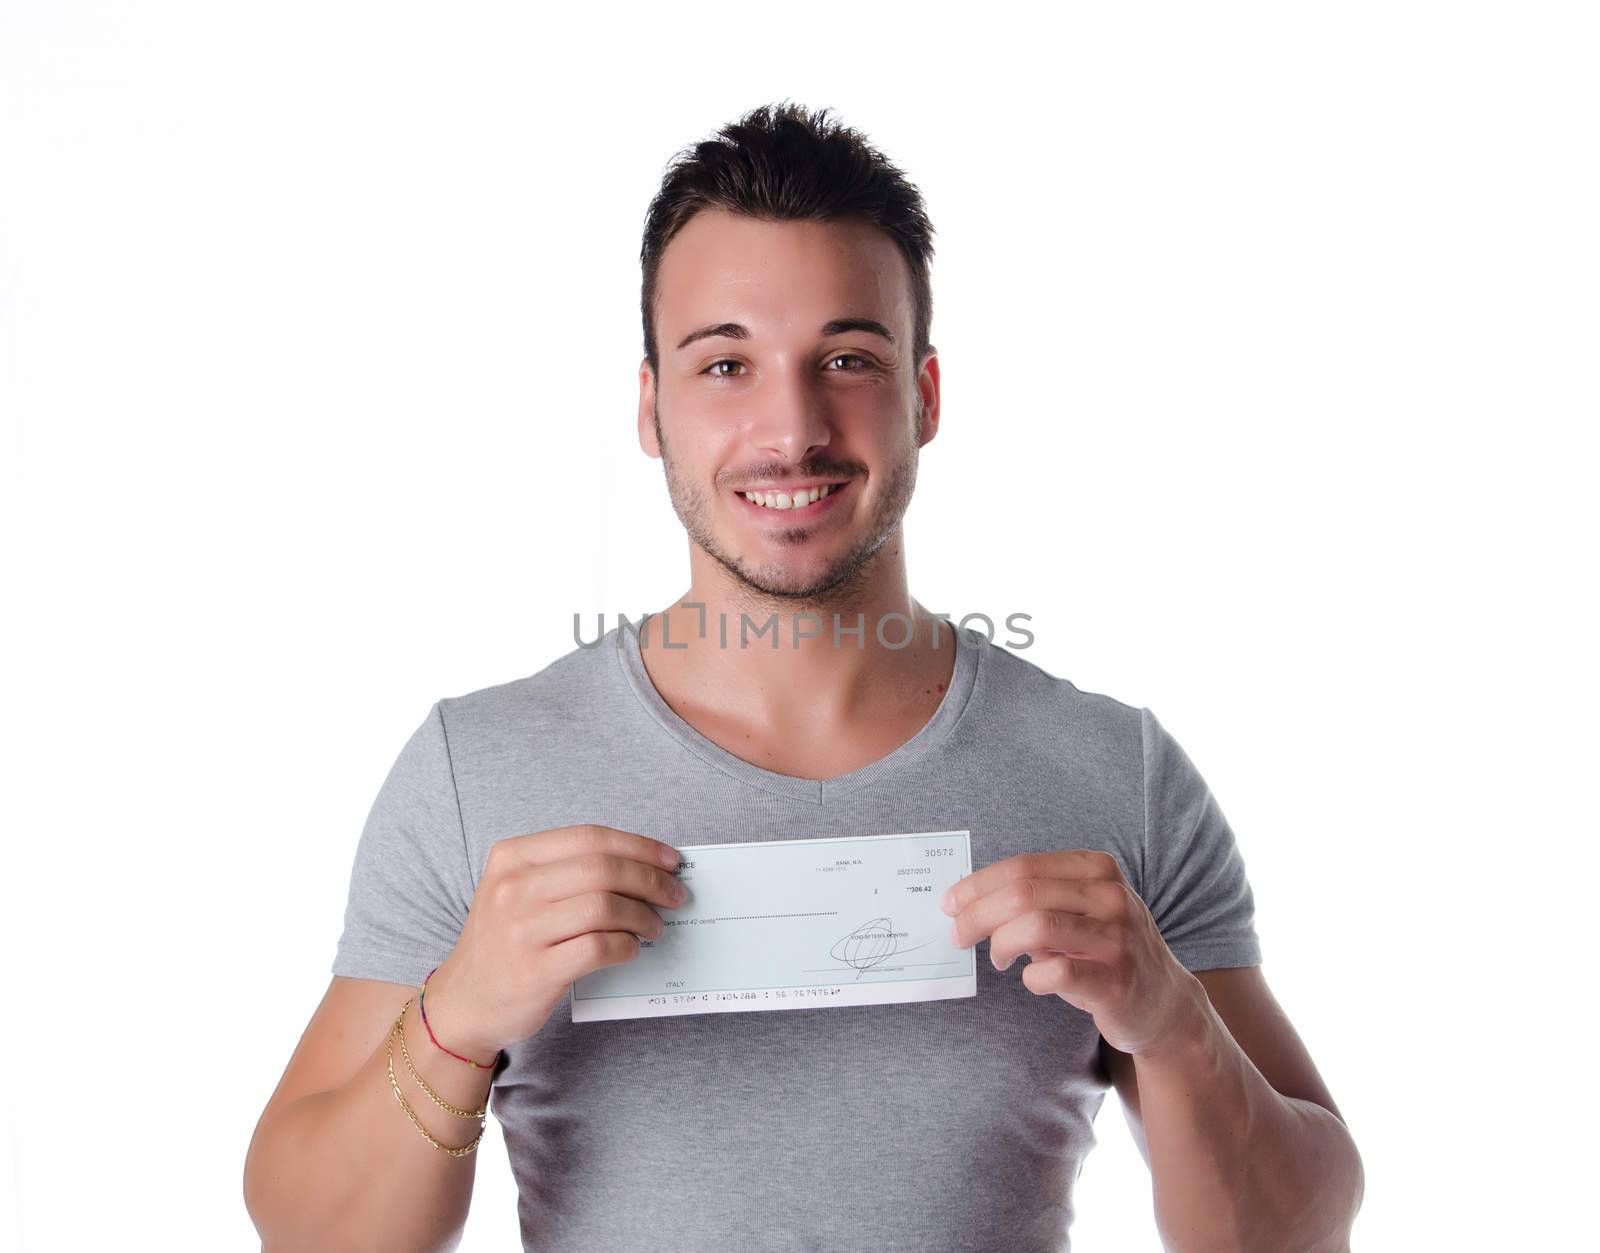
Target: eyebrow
[(733, 330)]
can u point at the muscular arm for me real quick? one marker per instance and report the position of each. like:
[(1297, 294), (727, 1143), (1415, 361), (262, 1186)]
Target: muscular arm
[(334, 1164), (1246, 1148)]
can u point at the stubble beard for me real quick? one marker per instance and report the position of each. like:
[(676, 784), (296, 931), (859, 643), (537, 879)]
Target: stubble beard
[(844, 581)]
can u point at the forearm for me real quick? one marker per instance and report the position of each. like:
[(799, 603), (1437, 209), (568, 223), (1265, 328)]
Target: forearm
[(346, 1170), (1238, 1166)]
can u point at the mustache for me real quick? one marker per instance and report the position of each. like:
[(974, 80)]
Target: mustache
[(782, 472)]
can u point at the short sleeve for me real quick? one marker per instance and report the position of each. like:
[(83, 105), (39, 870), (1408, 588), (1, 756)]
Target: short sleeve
[(410, 887), (1194, 879)]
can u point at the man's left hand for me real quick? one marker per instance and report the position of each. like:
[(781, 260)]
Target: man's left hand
[(1090, 939)]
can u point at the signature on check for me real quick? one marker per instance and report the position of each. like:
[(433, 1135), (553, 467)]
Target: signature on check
[(870, 944)]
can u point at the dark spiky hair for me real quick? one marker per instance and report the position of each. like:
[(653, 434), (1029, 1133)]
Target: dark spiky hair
[(783, 163)]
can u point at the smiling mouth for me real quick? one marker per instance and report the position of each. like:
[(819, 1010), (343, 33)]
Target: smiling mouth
[(806, 498)]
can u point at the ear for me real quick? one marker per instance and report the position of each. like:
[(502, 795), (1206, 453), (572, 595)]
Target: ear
[(928, 398), (647, 408)]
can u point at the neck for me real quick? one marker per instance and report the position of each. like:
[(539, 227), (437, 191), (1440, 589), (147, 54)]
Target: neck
[(773, 661)]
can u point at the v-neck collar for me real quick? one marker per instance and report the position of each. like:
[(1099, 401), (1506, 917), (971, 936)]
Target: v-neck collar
[(971, 648)]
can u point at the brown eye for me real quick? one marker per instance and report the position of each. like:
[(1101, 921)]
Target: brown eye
[(711, 369), (849, 356)]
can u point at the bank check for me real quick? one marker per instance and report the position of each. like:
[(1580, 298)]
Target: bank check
[(797, 924)]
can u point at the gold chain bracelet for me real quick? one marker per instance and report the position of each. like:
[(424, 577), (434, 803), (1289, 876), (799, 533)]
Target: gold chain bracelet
[(423, 1084), (394, 1083)]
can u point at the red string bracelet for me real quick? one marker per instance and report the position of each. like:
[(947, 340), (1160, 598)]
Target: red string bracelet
[(435, 1039)]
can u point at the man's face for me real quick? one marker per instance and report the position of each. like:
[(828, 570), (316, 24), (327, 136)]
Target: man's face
[(791, 402)]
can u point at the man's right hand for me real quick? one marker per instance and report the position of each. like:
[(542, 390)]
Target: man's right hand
[(551, 907)]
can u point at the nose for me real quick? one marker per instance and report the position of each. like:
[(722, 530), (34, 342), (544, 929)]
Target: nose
[(788, 417)]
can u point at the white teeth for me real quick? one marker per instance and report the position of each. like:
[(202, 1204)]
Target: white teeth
[(783, 500)]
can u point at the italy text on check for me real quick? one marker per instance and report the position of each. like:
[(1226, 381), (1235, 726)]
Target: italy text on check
[(797, 924)]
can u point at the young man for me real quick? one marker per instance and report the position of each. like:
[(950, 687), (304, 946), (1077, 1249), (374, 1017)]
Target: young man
[(525, 838)]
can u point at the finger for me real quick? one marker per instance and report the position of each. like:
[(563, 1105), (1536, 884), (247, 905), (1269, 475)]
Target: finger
[(1047, 932), (983, 916), (591, 951), (567, 919), (1078, 980), (541, 847), (1076, 863), (603, 872)]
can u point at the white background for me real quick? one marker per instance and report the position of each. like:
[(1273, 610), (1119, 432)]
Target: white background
[(1268, 342)]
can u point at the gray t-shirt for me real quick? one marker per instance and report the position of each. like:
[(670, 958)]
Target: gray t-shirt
[(950, 1124)]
